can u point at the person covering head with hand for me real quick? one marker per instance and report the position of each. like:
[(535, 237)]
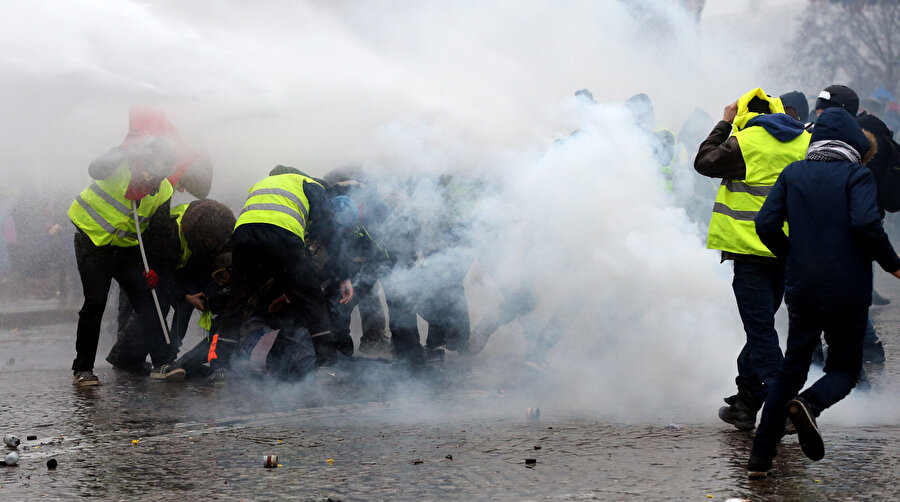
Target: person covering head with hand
[(747, 149), (106, 247), (829, 202)]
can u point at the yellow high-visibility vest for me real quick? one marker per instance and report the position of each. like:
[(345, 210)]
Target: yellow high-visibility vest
[(278, 200), (103, 213), (732, 227), (738, 201), (178, 213)]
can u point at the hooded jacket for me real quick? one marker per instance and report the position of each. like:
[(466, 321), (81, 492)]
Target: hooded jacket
[(765, 140), (836, 231), (720, 156), (885, 162)]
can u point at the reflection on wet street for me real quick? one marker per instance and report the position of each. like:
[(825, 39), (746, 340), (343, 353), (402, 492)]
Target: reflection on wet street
[(352, 436)]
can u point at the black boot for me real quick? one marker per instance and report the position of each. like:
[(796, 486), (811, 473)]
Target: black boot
[(741, 410)]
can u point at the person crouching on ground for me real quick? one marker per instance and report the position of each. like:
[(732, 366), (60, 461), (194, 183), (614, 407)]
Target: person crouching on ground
[(270, 236), (829, 202)]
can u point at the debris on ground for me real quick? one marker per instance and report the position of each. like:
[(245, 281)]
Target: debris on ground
[(51, 464), (11, 440), (672, 426), (270, 461)]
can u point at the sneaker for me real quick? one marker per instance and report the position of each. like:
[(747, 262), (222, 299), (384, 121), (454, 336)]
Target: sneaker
[(168, 372), (374, 344), (758, 467), (807, 432), (85, 378)]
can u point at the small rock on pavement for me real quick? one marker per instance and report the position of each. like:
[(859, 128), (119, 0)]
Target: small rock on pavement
[(672, 426), (417, 461), (449, 457), (12, 458), (52, 463)]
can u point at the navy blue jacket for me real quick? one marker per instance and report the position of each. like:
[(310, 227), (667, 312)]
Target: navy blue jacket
[(835, 233)]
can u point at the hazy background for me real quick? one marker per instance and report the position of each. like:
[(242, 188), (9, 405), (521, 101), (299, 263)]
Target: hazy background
[(427, 87)]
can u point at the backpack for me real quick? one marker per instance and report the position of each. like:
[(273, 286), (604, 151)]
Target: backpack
[(885, 165)]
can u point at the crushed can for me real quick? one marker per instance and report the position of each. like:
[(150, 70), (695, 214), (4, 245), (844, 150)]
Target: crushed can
[(270, 461), (11, 440)]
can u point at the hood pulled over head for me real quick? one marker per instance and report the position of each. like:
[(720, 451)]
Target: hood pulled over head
[(753, 103), (836, 124)]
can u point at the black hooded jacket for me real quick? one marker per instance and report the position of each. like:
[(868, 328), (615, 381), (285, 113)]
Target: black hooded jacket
[(835, 226)]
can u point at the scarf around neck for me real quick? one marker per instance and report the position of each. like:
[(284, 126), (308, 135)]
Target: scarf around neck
[(832, 150)]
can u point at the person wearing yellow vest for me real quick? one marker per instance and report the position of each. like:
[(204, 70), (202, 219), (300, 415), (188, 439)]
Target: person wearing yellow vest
[(748, 149), (184, 251), (662, 141), (269, 242), (106, 247)]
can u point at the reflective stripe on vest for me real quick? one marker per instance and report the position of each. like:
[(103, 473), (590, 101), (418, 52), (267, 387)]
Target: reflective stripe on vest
[(732, 227), (278, 200), (178, 212), (103, 213)]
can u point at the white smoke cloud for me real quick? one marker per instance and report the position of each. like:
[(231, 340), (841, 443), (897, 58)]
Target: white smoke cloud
[(426, 88)]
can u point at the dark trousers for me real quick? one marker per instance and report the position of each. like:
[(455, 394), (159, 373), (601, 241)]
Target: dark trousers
[(401, 303), (98, 266), (758, 289), (130, 350), (443, 305), (294, 274), (371, 312), (844, 333), (447, 314)]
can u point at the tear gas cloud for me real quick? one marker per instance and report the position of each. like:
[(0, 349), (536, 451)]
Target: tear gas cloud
[(413, 90)]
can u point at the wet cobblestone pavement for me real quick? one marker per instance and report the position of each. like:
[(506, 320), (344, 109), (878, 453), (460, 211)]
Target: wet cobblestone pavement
[(449, 437)]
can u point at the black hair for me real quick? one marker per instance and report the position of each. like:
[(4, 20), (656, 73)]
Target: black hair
[(207, 226)]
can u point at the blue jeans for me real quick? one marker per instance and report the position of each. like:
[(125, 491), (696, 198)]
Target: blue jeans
[(844, 333), (758, 289)]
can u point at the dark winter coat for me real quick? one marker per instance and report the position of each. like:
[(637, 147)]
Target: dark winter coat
[(885, 164), (835, 229)]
